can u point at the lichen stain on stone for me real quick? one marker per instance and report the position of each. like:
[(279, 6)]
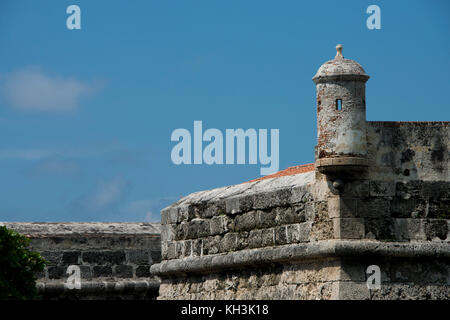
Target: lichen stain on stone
[(407, 155), (437, 155)]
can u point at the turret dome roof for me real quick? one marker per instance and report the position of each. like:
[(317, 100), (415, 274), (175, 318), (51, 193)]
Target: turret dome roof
[(340, 69)]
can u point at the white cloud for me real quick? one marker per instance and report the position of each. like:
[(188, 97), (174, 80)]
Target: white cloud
[(97, 150), (146, 210), (105, 196), (56, 165), (108, 193), (32, 90), (24, 154)]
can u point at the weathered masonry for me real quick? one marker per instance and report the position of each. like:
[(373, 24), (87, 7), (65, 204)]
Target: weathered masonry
[(114, 259), (377, 194)]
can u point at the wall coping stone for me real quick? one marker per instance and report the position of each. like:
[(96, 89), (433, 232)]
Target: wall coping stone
[(301, 251), (99, 287), (259, 188), (36, 229), (248, 188)]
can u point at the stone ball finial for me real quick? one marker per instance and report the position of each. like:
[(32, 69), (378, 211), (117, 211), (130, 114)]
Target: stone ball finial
[(339, 55)]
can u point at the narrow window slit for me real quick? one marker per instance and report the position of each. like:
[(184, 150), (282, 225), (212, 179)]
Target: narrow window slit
[(338, 104)]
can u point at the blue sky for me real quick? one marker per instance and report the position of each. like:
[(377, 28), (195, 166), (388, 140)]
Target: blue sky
[(86, 115)]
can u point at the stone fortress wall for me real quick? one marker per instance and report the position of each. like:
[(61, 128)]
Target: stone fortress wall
[(270, 240), (378, 194), (114, 258)]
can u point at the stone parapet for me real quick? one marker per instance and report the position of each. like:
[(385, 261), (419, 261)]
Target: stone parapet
[(114, 258), (263, 213)]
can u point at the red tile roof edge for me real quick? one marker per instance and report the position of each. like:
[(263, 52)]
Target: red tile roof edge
[(288, 172)]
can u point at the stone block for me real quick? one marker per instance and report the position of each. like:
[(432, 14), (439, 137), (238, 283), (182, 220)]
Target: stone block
[(181, 230), (123, 271), (242, 240), (431, 272), (322, 210), (436, 229), (143, 271), (280, 235), (285, 215), (211, 245), (381, 189), (62, 274), (52, 257), (156, 256), (356, 188), (213, 209), (238, 204), (171, 250), (70, 257), (246, 221), (352, 270), (85, 272), (374, 207), (179, 249), (185, 213), (255, 239), (164, 216), (410, 188), (309, 211), (311, 272), (102, 271), (298, 232), (339, 207), (56, 272), (348, 228), (169, 215), (229, 242), (402, 208), (105, 257), (298, 195), (268, 237), (265, 219), (168, 232), (380, 228), (197, 247), (270, 199), (322, 227), (219, 225), (437, 189), (164, 248), (409, 229), (139, 256), (439, 208), (198, 228), (349, 290), (187, 248), (197, 210)]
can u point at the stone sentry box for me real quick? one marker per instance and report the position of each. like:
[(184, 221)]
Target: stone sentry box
[(379, 194), (114, 258)]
